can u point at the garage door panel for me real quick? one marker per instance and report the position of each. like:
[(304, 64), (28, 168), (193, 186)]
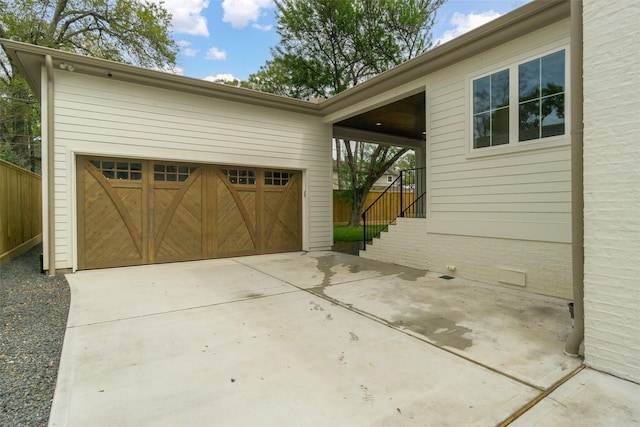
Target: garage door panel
[(112, 219), (177, 213), (235, 220), (283, 216), (140, 211)]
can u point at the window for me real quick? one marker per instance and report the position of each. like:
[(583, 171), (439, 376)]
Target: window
[(172, 172), (277, 177), (118, 169), (534, 108), (389, 179), (491, 110), (541, 97), (240, 176)]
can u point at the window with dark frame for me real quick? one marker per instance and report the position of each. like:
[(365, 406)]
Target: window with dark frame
[(172, 172), (277, 177), (539, 99), (119, 169), (541, 95), (240, 176)]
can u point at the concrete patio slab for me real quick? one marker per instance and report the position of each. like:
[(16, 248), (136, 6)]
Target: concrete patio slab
[(517, 333), (112, 294), (306, 339), (591, 398), (313, 269), (291, 359)]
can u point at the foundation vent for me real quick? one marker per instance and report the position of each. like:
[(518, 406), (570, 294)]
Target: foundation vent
[(512, 277)]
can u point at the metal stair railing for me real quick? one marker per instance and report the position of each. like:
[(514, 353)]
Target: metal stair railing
[(404, 197)]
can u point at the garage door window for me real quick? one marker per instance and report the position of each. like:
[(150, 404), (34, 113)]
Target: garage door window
[(123, 170), (277, 177), (240, 176), (172, 172)]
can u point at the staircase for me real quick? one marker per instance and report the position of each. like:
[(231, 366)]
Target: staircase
[(404, 198), (404, 244)]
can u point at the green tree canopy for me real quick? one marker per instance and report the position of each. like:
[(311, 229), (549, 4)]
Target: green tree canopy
[(328, 46), (131, 31)]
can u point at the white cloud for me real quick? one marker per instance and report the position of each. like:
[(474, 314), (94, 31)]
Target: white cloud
[(239, 13), (221, 77), (183, 45), (187, 16), (190, 52), (215, 53), (262, 27), (464, 23)]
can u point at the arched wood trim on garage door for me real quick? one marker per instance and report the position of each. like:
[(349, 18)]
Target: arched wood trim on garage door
[(134, 212)]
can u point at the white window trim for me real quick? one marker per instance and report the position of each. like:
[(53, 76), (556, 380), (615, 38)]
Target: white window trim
[(515, 146)]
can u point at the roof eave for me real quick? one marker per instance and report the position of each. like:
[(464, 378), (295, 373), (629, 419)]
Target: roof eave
[(30, 58)]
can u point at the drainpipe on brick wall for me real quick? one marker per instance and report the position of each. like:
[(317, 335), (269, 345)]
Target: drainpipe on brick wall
[(50, 171), (572, 347)]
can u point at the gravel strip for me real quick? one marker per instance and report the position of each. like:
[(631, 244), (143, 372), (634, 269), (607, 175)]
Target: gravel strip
[(33, 318)]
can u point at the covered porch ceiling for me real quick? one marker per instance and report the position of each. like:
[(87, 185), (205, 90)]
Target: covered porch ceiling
[(400, 123)]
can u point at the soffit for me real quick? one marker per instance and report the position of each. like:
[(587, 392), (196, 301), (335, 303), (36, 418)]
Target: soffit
[(404, 118)]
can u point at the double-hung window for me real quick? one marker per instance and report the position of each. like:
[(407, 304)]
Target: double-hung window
[(533, 108)]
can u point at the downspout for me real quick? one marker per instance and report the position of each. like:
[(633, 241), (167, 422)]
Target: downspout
[(572, 346), (50, 170)]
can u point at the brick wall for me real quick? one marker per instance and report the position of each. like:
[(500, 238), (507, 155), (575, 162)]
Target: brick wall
[(546, 266), (612, 186), (403, 244)]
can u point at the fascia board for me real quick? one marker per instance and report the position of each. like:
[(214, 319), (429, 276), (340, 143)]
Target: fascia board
[(30, 58)]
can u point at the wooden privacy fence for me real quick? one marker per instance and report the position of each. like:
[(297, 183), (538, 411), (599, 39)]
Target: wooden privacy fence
[(20, 210), (342, 209)]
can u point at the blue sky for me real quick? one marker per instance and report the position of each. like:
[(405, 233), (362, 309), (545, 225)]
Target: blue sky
[(226, 39)]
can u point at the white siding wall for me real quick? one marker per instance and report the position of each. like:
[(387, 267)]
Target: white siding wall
[(517, 192), (503, 208), (612, 186), (107, 117)]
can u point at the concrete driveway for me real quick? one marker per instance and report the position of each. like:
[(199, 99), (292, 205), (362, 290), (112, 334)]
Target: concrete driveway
[(314, 339)]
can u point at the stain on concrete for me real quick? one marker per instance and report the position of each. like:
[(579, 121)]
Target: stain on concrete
[(324, 266), (316, 306), (412, 275), (355, 265), (253, 295), (367, 396), (439, 330)]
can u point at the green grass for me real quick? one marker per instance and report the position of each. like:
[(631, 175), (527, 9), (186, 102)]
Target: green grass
[(342, 233)]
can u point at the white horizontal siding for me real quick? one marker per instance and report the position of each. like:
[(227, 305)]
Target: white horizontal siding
[(527, 187), (112, 118)]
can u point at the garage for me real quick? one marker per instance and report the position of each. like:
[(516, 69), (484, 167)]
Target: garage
[(133, 211)]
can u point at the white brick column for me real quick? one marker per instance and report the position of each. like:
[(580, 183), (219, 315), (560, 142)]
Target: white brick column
[(612, 186)]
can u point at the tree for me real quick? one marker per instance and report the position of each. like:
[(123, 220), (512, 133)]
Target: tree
[(364, 164), (130, 31), (328, 46)]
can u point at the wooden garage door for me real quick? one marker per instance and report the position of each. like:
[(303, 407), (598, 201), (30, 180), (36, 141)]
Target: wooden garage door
[(134, 212)]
